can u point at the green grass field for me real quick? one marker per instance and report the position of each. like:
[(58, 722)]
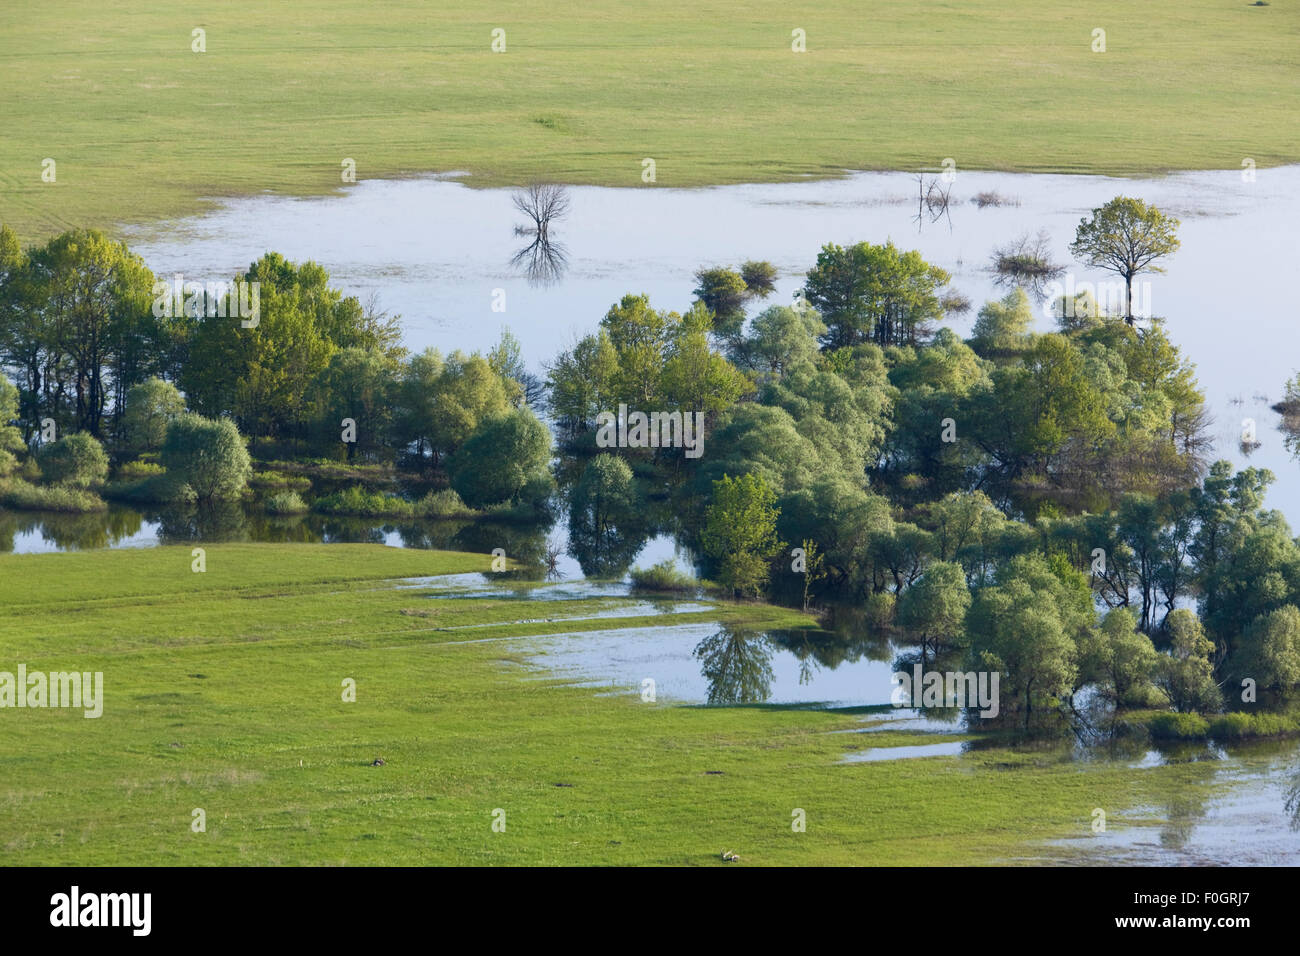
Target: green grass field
[(222, 691), (142, 127)]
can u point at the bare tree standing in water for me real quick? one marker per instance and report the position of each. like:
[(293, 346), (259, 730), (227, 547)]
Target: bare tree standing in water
[(542, 260), (542, 202)]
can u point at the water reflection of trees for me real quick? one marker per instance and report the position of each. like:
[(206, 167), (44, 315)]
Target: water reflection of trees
[(543, 260), (737, 666), (218, 521), (1293, 801), (1183, 813), (603, 546), (1290, 427), (72, 532)]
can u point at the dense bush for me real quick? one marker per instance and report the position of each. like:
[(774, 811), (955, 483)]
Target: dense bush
[(365, 503), (285, 503), (443, 504), (1239, 725), (208, 455), (140, 468), (77, 460), (1178, 727), (24, 496), (664, 576), (278, 479)]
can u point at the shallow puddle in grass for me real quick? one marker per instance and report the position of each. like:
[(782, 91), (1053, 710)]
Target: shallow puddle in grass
[(950, 749)]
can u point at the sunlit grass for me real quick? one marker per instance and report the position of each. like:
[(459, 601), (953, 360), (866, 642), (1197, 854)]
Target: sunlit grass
[(141, 127), (223, 691)]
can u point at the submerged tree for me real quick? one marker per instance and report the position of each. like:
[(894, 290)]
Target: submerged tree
[(726, 292), (1186, 674), (542, 203), (1026, 264), (933, 610), (1126, 236), (543, 261), (740, 532), (875, 293)]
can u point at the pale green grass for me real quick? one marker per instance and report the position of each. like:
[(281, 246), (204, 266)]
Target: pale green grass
[(141, 127)]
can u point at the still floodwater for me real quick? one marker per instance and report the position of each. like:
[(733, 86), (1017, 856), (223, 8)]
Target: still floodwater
[(439, 254), (1243, 810), (434, 251)]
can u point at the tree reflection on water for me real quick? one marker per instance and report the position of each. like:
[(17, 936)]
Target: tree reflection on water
[(737, 665)]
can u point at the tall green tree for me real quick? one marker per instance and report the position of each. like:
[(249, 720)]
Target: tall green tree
[(1127, 237), (11, 439), (697, 379), (740, 533), (781, 338), (1270, 650), (1030, 625), (604, 496), (262, 372), (505, 455), (1035, 410), (874, 293), (933, 610), (360, 385), (726, 292), (1186, 673), (583, 382), (88, 302), (150, 408), (444, 401), (642, 336), (1119, 659), (1003, 327)]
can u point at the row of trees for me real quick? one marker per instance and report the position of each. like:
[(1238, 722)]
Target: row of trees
[(868, 439), (315, 370), (79, 329), (967, 586)]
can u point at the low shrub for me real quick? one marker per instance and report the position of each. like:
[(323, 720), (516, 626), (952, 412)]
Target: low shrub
[(285, 503), (1173, 726), (664, 576), (443, 504), (24, 496), (139, 468), (1239, 725), (278, 479), (362, 503)]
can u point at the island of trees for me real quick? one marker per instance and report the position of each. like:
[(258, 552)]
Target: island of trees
[(1035, 503)]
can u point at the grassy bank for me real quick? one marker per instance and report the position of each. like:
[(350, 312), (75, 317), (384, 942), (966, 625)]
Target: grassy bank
[(223, 692), (141, 127)]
